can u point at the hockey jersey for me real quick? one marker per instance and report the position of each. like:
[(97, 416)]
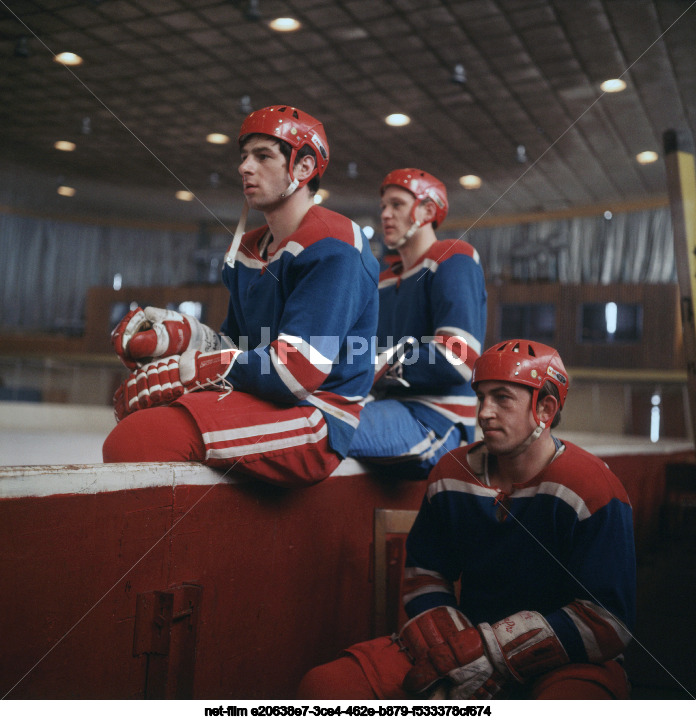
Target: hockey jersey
[(300, 318), (560, 544), (441, 302)]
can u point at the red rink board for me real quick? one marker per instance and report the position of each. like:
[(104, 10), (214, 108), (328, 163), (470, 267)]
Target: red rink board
[(285, 578)]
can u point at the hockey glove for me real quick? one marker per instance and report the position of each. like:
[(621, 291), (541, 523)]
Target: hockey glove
[(163, 381), (443, 644), (144, 335), (525, 643), (478, 661)]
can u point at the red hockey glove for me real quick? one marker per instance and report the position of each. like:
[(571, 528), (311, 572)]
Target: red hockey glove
[(443, 644), (525, 643), (162, 381), (144, 335)]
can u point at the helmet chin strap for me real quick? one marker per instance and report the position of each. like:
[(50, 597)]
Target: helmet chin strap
[(533, 436), (415, 226), (291, 188), (241, 225), (406, 236), (238, 233)]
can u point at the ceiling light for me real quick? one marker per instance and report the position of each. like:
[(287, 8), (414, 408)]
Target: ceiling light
[(646, 157), (321, 196), (218, 138), (397, 119), (285, 25), (470, 182), (68, 59), (64, 145), (352, 170), (614, 85), (184, 195), (86, 127), (66, 191), (521, 154)]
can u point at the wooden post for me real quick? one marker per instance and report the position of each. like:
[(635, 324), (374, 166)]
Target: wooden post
[(681, 186)]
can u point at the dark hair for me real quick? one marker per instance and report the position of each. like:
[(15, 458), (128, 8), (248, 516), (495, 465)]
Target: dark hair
[(550, 389)]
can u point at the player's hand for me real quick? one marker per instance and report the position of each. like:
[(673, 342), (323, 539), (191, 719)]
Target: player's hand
[(144, 335), (444, 645), (389, 365), (164, 380)]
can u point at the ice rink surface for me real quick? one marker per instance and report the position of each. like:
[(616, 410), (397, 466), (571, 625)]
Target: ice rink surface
[(59, 434)]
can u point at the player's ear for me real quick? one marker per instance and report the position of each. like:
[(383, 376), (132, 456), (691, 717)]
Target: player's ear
[(304, 167), (547, 407), (425, 212)]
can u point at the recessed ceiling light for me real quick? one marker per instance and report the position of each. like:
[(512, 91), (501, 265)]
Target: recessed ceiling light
[(68, 59), (470, 182), (646, 157), (218, 138), (66, 191), (184, 195), (285, 25), (614, 85), (64, 145), (397, 119), (321, 196)]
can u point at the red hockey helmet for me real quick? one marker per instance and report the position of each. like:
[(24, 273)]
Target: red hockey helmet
[(523, 361), (424, 186), (296, 128)]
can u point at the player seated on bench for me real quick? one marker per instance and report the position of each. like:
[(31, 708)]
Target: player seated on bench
[(432, 301), (277, 394), (539, 533)]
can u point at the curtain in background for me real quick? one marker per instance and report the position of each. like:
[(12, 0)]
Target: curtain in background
[(47, 266), (628, 248)]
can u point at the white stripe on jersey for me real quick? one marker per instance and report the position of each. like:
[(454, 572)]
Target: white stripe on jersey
[(471, 340), (422, 591), (292, 384), (595, 653), (357, 236), (334, 411), (313, 355), (454, 484)]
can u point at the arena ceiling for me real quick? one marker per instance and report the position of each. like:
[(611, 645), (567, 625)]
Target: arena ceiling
[(527, 114)]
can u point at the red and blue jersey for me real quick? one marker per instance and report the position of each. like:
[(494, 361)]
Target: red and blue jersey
[(300, 317), (560, 544), (441, 302)]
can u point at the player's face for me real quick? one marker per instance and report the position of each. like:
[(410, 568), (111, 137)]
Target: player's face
[(264, 172), (395, 209), (505, 415)]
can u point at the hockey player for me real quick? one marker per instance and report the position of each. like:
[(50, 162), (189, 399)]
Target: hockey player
[(277, 394), (540, 535), (433, 300)]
